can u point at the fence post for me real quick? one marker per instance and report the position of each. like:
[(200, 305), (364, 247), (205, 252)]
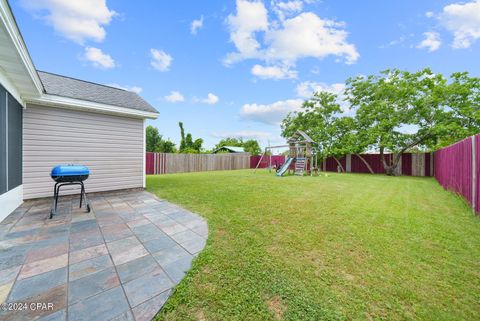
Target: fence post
[(432, 170), (348, 163), (474, 177)]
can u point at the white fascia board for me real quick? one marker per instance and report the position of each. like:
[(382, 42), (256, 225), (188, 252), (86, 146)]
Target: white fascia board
[(10, 87), (78, 104), (11, 26)]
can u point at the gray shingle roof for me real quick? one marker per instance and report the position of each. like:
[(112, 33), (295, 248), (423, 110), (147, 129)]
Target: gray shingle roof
[(84, 90)]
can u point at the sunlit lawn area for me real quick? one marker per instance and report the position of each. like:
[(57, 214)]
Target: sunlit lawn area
[(342, 246)]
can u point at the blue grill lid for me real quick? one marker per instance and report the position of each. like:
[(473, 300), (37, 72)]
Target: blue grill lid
[(70, 170)]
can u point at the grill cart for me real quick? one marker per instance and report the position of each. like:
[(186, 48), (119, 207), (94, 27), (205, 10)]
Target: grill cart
[(65, 175)]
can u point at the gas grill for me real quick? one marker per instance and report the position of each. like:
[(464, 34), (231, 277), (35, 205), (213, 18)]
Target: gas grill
[(65, 175)]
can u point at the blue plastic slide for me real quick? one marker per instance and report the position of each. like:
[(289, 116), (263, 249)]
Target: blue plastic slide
[(285, 167)]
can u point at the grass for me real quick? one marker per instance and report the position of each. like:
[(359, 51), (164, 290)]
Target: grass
[(342, 246)]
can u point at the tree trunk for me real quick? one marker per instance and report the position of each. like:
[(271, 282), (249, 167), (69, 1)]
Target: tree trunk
[(366, 163), (389, 169), (339, 164)]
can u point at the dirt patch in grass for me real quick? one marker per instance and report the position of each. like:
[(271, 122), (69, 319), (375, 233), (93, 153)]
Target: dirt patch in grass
[(276, 306), (200, 316)]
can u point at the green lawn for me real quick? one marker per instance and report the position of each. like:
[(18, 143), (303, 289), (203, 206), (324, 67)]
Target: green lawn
[(342, 246)]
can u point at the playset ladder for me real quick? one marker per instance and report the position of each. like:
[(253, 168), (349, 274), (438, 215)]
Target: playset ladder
[(300, 163)]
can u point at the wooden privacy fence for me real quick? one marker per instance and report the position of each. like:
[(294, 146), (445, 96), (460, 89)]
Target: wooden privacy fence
[(166, 163), (411, 164), (457, 169), (274, 160)]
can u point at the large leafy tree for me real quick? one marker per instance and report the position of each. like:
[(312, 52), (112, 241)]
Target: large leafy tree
[(398, 110), (349, 139), (321, 117), (393, 112), (464, 103)]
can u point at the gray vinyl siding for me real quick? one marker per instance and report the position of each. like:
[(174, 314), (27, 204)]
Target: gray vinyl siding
[(110, 146)]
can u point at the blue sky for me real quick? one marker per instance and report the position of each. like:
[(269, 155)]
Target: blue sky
[(236, 68)]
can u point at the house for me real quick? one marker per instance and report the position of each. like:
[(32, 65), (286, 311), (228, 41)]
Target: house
[(48, 119), (229, 149)]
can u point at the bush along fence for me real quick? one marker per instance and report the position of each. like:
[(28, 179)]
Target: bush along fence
[(457, 169), (411, 164), (166, 163)]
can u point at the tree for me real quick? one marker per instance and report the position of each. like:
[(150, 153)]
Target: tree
[(229, 141), (464, 103), (250, 146), (182, 137), (319, 118), (348, 139), (155, 143), (166, 146), (397, 110), (187, 144), (152, 138)]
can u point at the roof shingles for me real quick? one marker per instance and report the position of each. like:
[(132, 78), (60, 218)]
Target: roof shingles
[(84, 90)]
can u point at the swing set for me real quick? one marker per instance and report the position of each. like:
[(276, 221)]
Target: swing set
[(301, 154)]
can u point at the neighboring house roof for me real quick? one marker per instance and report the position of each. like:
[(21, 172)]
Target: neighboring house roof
[(232, 149), (79, 89)]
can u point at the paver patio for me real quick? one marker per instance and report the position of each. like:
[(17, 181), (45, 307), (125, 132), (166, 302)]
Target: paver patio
[(118, 262)]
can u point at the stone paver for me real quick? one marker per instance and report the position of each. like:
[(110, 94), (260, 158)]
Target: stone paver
[(136, 268), (147, 286), (119, 262)]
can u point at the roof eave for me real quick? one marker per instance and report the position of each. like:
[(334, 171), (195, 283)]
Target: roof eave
[(78, 104), (10, 24)]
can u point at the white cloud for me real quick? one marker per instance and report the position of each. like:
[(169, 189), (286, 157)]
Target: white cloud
[(160, 60), (273, 113), (273, 72), (290, 6), (288, 40), (211, 99), (307, 88), (175, 97), (196, 24), (431, 42), (287, 8), (429, 14), (463, 20), (98, 58), (307, 35), (75, 20), (134, 89), (251, 17)]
